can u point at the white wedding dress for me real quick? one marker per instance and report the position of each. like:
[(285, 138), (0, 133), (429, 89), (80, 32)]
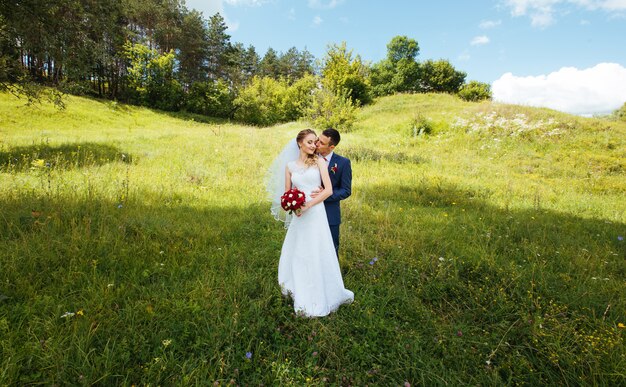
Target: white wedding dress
[(308, 269)]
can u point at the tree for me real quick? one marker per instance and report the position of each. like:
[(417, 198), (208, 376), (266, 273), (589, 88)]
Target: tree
[(402, 47), (475, 91), (331, 110), (304, 64), (399, 72), (251, 62), (344, 75), (193, 49), (294, 64), (270, 66), (440, 76), (151, 77), (218, 48)]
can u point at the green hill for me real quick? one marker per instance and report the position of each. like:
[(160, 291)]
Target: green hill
[(136, 247)]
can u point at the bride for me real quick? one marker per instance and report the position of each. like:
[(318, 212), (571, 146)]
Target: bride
[(308, 269)]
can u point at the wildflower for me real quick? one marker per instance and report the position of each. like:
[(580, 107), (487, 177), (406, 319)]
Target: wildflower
[(621, 325), (314, 353), (38, 163), (80, 313), (166, 342), (620, 238), (120, 205), (488, 362), (441, 259), (248, 355), (67, 314), (407, 384), (459, 333)]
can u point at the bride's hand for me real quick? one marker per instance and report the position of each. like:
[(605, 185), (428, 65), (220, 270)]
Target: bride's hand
[(302, 210)]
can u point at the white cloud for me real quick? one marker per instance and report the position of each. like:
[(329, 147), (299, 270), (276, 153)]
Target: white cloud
[(541, 12), (488, 24), (317, 20), (210, 8), (607, 5), (321, 4), (599, 89), (246, 3), (479, 40)]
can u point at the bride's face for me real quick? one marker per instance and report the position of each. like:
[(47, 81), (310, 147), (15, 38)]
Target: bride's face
[(308, 144)]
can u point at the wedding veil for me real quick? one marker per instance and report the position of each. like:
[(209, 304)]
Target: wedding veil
[(275, 184)]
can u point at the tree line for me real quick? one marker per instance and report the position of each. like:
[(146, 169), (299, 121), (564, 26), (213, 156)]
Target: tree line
[(160, 54)]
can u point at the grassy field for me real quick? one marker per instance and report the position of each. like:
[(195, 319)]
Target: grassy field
[(136, 247)]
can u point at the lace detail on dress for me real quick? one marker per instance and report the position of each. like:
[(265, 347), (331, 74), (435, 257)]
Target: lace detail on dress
[(295, 168)]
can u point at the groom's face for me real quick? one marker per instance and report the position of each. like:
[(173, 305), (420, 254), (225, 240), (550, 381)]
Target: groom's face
[(323, 145)]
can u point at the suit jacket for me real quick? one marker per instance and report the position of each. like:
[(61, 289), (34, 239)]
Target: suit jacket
[(340, 171)]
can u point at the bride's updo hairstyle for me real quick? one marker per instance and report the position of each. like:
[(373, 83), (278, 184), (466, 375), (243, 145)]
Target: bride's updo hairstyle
[(311, 159)]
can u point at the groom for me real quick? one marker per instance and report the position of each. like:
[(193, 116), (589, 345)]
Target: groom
[(340, 171)]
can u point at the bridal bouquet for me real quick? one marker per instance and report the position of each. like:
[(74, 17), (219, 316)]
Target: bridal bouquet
[(292, 201)]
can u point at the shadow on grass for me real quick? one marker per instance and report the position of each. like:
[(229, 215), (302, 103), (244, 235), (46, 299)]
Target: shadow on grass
[(429, 224), (181, 115), (65, 156), (163, 287), (142, 273)]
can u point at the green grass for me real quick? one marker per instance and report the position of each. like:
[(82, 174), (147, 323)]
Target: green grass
[(499, 239)]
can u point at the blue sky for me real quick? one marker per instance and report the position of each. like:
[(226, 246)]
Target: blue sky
[(510, 44)]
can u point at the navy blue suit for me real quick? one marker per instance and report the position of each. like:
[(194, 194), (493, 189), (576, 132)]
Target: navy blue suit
[(340, 171)]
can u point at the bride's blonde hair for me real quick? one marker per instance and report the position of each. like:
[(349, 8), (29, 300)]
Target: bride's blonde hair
[(311, 159)]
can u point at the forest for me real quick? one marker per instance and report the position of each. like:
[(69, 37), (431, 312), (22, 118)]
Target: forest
[(160, 54)]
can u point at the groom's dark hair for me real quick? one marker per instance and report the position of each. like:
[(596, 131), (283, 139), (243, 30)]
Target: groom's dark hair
[(333, 134)]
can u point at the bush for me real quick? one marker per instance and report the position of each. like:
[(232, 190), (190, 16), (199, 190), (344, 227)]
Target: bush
[(329, 110), (343, 74), (261, 102), (420, 126), (620, 113), (440, 76), (267, 101), (475, 91), (299, 97), (210, 98)]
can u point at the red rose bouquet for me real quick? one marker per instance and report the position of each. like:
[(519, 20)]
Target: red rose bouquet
[(292, 201)]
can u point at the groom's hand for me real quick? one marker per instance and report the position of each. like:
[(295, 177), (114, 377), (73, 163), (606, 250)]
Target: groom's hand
[(316, 191)]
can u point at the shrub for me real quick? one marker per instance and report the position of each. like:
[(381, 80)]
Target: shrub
[(261, 102), (210, 98), (331, 110), (299, 97), (267, 101), (440, 76), (620, 113), (343, 74), (475, 91), (420, 125)]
